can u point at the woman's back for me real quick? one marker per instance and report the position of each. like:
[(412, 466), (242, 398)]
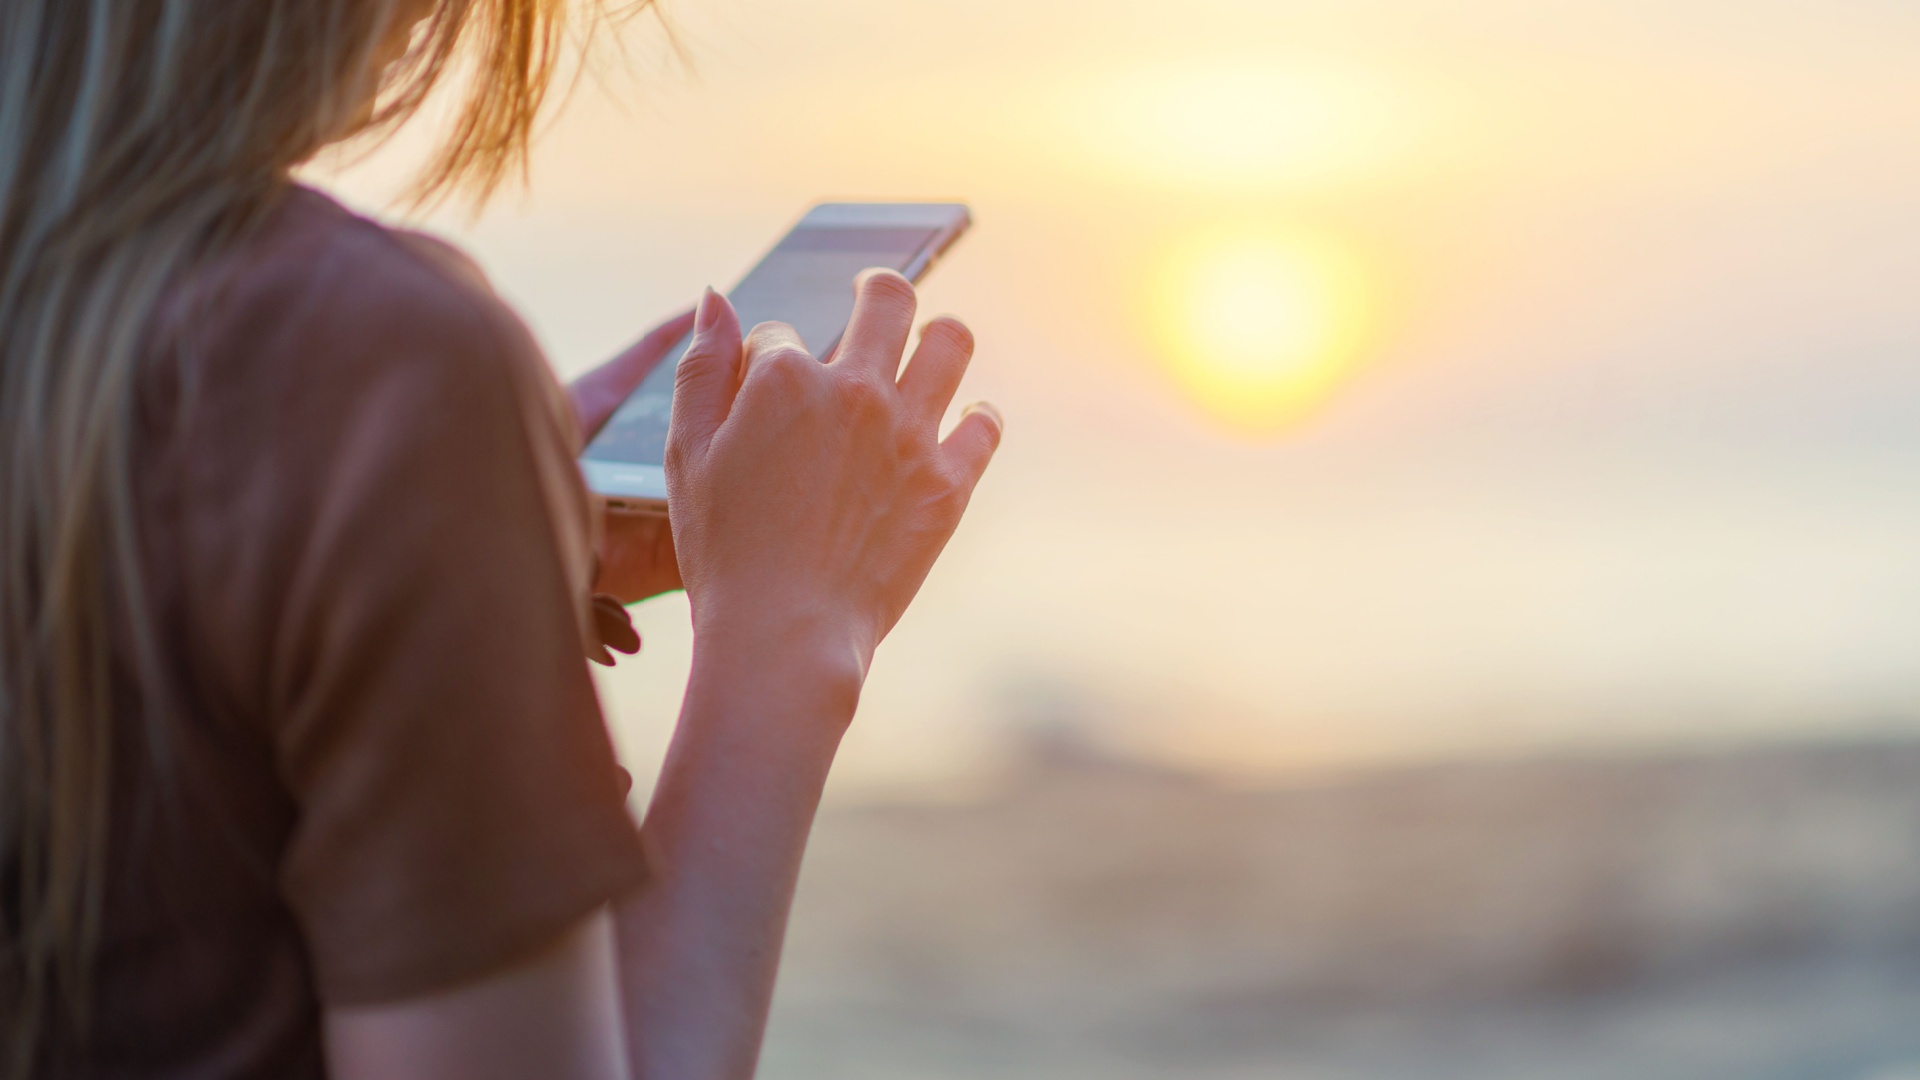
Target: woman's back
[(381, 768), (301, 768)]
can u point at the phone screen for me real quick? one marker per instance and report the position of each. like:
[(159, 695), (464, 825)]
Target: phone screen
[(807, 281)]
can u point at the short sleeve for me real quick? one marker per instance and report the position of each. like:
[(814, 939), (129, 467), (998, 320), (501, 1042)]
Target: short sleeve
[(456, 798)]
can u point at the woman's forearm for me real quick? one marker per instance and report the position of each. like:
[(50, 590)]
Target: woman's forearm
[(809, 502), (700, 942)]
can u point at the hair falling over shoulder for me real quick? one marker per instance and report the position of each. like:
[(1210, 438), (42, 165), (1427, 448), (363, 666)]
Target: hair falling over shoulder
[(138, 137)]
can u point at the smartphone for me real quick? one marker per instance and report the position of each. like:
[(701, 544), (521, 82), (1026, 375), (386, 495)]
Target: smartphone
[(805, 281)]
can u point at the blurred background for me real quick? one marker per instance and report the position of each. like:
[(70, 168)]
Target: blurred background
[(1448, 601)]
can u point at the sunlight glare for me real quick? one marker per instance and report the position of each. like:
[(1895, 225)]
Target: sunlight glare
[(1257, 328)]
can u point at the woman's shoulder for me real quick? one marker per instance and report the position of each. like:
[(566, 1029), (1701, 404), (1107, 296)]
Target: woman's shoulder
[(318, 291), (324, 328), (326, 340)]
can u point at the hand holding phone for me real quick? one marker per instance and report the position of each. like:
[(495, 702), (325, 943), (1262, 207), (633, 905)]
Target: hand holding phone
[(805, 282), (811, 499)]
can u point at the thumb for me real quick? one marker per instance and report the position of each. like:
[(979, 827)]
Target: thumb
[(709, 373)]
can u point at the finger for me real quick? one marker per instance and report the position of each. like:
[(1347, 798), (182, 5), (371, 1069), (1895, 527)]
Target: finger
[(614, 626), (876, 337), (637, 559), (775, 344), (709, 373), (971, 443), (598, 393), (939, 362), (646, 354)]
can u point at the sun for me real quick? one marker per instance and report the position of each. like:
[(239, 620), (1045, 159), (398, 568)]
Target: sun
[(1259, 328)]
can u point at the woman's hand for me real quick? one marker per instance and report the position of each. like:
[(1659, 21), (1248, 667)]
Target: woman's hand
[(636, 550), (810, 499)]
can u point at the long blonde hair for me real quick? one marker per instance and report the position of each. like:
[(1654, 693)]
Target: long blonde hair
[(137, 137)]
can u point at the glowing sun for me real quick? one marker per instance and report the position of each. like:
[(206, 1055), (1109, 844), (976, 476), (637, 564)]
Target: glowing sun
[(1259, 328)]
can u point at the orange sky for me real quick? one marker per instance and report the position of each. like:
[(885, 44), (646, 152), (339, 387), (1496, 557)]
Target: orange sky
[(1586, 340)]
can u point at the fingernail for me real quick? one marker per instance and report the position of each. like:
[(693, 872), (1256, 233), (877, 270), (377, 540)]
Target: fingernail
[(709, 311), (993, 414)]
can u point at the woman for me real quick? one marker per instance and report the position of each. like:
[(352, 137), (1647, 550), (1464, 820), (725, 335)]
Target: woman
[(301, 770)]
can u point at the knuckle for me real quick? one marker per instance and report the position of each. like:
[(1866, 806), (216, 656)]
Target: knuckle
[(866, 398), (770, 329), (768, 336), (788, 356), (785, 365)]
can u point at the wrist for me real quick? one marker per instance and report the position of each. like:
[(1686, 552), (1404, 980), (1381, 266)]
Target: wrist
[(810, 660)]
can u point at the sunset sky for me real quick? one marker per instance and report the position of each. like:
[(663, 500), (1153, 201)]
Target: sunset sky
[(1383, 378)]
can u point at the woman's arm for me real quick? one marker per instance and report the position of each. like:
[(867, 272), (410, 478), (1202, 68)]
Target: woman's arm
[(809, 502), (554, 1014), (676, 983), (699, 945)]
